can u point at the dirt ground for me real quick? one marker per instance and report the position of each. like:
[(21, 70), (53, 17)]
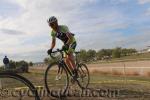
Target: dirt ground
[(129, 68), (126, 91)]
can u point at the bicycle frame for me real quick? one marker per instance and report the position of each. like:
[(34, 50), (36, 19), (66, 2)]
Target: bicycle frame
[(62, 63), (78, 75)]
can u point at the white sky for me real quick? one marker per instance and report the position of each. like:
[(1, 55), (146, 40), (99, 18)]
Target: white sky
[(97, 24)]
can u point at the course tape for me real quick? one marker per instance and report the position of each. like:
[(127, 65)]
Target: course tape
[(19, 88)]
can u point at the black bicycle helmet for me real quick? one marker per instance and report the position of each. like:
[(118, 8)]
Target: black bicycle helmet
[(52, 19)]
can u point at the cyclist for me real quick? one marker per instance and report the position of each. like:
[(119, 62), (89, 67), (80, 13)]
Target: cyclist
[(62, 32)]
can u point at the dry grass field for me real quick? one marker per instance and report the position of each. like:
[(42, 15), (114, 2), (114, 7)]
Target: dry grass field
[(131, 78), (141, 68)]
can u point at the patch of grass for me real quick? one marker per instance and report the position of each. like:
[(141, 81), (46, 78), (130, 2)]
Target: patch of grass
[(135, 57), (96, 77)]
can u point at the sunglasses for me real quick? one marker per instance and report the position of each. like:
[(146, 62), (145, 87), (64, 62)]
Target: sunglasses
[(51, 24)]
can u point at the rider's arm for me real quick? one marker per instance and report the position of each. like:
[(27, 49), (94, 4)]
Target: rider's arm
[(53, 42), (53, 39), (69, 35)]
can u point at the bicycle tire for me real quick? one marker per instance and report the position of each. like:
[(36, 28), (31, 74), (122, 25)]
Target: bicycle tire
[(23, 80), (79, 72), (46, 79)]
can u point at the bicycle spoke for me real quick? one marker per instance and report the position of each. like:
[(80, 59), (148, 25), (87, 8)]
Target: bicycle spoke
[(84, 77)]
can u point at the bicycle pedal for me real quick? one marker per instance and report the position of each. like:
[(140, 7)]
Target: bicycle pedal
[(58, 78)]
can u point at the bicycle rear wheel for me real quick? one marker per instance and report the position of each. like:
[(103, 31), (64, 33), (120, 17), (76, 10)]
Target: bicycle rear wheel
[(27, 83), (56, 80), (83, 76)]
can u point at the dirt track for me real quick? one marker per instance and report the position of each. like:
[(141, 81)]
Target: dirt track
[(128, 90), (130, 68)]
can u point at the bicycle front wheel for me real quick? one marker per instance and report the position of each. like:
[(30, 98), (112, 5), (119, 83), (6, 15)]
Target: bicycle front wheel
[(83, 76), (11, 78), (56, 79)]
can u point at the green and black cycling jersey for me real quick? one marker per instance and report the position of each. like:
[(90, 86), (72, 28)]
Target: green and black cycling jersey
[(61, 34)]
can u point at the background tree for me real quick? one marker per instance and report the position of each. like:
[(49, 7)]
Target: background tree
[(91, 55), (104, 52), (83, 55), (12, 64), (46, 60), (30, 63), (116, 53)]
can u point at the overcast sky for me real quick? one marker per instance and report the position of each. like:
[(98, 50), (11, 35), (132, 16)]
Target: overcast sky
[(97, 24)]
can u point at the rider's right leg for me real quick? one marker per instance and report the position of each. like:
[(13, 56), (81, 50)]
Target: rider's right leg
[(71, 63), (68, 63)]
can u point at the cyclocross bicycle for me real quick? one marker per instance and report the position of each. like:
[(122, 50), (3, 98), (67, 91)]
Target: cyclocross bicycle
[(32, 89), (57, 74)]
